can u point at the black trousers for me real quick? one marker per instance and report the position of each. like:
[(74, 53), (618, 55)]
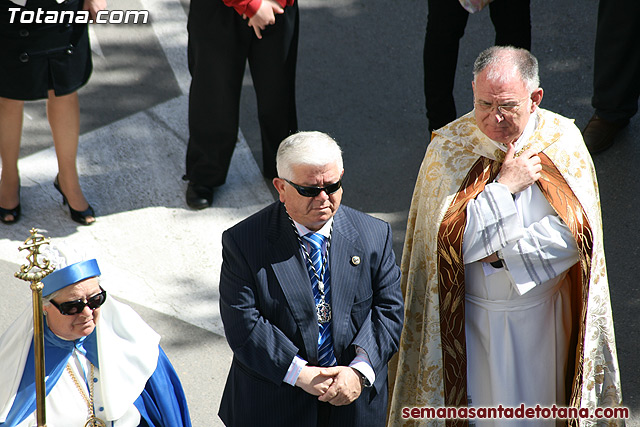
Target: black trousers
[(220, 43), (616, 72), (446, 22)]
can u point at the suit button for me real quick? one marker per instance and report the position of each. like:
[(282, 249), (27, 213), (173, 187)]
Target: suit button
[(24, 57), (23, 32), (70, 51)]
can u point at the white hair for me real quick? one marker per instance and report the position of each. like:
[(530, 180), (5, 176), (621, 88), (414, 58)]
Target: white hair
[(307, 148)]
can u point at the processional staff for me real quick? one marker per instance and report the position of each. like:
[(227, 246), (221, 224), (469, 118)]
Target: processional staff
[(37, 269)]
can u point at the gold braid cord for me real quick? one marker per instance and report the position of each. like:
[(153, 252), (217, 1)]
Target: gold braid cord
[(92, 421)]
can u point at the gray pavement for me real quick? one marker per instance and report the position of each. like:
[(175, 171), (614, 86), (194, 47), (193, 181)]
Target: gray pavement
[(359, 79)]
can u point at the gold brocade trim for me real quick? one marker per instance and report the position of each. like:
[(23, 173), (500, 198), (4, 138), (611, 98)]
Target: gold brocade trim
[(568, 207), (452, 288), (417, 379), (451, 276)]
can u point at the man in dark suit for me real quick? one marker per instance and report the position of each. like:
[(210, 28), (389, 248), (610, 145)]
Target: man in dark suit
[(310, 300)]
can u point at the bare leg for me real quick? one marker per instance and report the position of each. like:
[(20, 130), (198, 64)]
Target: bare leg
[(10, 132), (64, 118)]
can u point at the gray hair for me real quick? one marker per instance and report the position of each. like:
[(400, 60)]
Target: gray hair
[(47, 300), (522, 61), (307, 148)]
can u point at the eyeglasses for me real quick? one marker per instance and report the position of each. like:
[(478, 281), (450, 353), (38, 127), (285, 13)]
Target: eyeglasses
[(505, 109), (314, 191), (70, 308)]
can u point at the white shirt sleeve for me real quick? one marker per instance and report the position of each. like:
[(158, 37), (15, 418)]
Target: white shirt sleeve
[(363, 365), (492, 223), (360, 362), (535, 244), (547, 250)]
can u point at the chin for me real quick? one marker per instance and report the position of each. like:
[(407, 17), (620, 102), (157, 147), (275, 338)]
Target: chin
[(323, 219), (497, 133), (501, 138), (86, 330)]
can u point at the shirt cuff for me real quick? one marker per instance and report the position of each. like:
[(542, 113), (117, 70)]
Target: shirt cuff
[(294, 370), (362, 364)]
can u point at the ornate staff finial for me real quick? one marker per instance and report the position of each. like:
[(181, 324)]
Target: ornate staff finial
[(38, 267)]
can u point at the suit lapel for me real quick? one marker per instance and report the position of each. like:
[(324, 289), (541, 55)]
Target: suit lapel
[(294, 281), (344, 246)]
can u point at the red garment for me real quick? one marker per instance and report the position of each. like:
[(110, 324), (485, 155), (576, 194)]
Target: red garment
[(250, 7)]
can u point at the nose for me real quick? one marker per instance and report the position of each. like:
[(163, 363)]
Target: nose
[(499, 116), (322, 196), (86, 311)]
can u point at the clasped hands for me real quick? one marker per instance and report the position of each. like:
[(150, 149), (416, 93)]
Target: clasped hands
[(337, 385)]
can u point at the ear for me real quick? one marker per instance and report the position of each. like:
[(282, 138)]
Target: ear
[(279, 185), (536, 97)]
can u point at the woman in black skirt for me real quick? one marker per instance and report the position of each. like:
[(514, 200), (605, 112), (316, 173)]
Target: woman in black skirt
[(40, 59)]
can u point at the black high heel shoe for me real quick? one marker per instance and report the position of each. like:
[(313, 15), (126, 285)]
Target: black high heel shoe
[(15, 212), (77, 216)]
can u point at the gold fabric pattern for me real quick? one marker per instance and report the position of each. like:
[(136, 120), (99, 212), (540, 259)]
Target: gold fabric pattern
[(419, 378), (451, 284), (568, 207)]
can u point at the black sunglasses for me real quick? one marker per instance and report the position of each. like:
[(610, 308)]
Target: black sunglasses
[(314, 191), (70, 308)]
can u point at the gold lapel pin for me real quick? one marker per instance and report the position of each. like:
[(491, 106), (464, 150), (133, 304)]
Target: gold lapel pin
[(355, 260)]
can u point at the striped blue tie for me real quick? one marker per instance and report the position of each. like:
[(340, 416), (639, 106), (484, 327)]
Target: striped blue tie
[(325, 343)]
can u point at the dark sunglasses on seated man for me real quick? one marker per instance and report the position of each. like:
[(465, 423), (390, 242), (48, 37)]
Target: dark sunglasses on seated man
[(314, 191), (70, 308)]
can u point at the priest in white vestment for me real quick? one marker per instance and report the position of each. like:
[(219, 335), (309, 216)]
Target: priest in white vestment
[(506, 293), (518, 311)]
